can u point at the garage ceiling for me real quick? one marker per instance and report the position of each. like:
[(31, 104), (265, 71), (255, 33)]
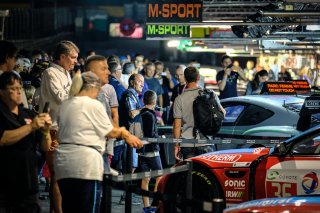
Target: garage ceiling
[(264, 24)]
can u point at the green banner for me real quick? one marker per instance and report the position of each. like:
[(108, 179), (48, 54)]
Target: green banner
[(168, 31)]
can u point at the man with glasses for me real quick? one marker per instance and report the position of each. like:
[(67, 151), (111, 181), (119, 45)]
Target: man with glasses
[(55, 86)]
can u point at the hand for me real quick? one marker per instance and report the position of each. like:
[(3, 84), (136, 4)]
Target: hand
[(133, 141), (168, 74), (177, 153), (40, 121), (48, 122), (227, 71)]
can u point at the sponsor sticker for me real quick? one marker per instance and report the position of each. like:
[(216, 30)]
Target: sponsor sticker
[(310, 182), (235, 184), (222, 158), (285, 177), (258, 150), (241, 164), (234, 194), (281, 189)]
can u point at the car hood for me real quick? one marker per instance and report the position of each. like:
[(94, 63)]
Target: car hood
[(231, 158), (271, 204)]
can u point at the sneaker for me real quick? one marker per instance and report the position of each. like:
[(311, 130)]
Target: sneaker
[(149, 209)]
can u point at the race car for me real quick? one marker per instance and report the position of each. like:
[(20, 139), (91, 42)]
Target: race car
[(261, 115), (289, 168), (310, 204)]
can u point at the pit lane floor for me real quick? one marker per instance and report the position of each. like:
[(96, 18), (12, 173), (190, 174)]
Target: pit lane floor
[(116, 206)]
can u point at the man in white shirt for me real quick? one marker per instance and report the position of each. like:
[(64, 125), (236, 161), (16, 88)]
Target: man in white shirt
[(55, 86)]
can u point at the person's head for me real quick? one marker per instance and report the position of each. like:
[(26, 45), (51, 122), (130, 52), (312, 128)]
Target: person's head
[(191, 74), (261, 76), (98, 64), (8, 54), (38, 69), (150, 98), (36, 55), (159, 67), (179, 74), (23, 64), (115, 69), (88, 84), (138, 61), (128, 68), (11, 89), (236, 63), (90, 53), (113, 59), (65, 54), (250, 65), (150, 70), (226, 61), (283, 69), (29, 90), (136, 81)]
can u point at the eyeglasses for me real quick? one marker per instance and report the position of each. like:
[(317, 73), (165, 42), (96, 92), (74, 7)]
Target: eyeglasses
[(15, 89)]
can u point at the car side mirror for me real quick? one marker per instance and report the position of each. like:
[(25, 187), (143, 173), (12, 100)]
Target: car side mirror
[(280, 149)]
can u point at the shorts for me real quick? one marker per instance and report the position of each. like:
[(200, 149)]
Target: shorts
[(150, 163)]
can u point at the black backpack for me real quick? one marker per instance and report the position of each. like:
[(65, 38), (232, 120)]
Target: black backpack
[(207, 114)]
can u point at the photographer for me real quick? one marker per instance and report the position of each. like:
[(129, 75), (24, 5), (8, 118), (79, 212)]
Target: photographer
[(19, 136), (228, 77)]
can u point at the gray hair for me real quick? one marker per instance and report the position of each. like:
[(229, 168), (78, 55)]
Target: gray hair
[(64, 48)]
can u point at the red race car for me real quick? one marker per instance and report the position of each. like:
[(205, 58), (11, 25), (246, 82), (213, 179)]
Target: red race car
[(290, 168)]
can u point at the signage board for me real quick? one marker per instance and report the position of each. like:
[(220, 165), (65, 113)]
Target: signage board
[(301, 86), (278, 88), (168, 31), (179, 11)]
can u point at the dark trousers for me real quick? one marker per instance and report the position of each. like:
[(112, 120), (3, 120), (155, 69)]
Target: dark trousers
[(25, 204), (81, 196)]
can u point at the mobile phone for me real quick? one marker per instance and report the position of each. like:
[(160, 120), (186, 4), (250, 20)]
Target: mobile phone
[(46, 107), (229, 66)]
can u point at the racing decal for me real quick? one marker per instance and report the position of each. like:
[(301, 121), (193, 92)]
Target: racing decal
[(258, 150), (278, 176), (241, 164), (310, 183), (234, 195), (281, 189), (235, 184), (203, 176), (221, 158)]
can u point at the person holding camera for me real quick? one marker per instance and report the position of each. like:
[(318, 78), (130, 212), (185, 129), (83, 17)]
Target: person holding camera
[(228, 77), (20, 133)]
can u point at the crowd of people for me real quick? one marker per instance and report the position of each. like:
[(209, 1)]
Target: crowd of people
[(97, 107)]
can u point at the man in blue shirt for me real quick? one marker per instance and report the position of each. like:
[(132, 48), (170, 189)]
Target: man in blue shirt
[(115, 70), (228, 77)]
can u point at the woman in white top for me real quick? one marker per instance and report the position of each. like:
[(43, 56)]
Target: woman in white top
[(83, 127)]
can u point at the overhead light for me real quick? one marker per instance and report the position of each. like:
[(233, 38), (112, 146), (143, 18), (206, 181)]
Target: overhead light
[(313, 27), (173, 43)]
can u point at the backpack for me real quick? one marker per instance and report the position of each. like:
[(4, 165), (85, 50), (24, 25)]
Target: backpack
[(207, 114)]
